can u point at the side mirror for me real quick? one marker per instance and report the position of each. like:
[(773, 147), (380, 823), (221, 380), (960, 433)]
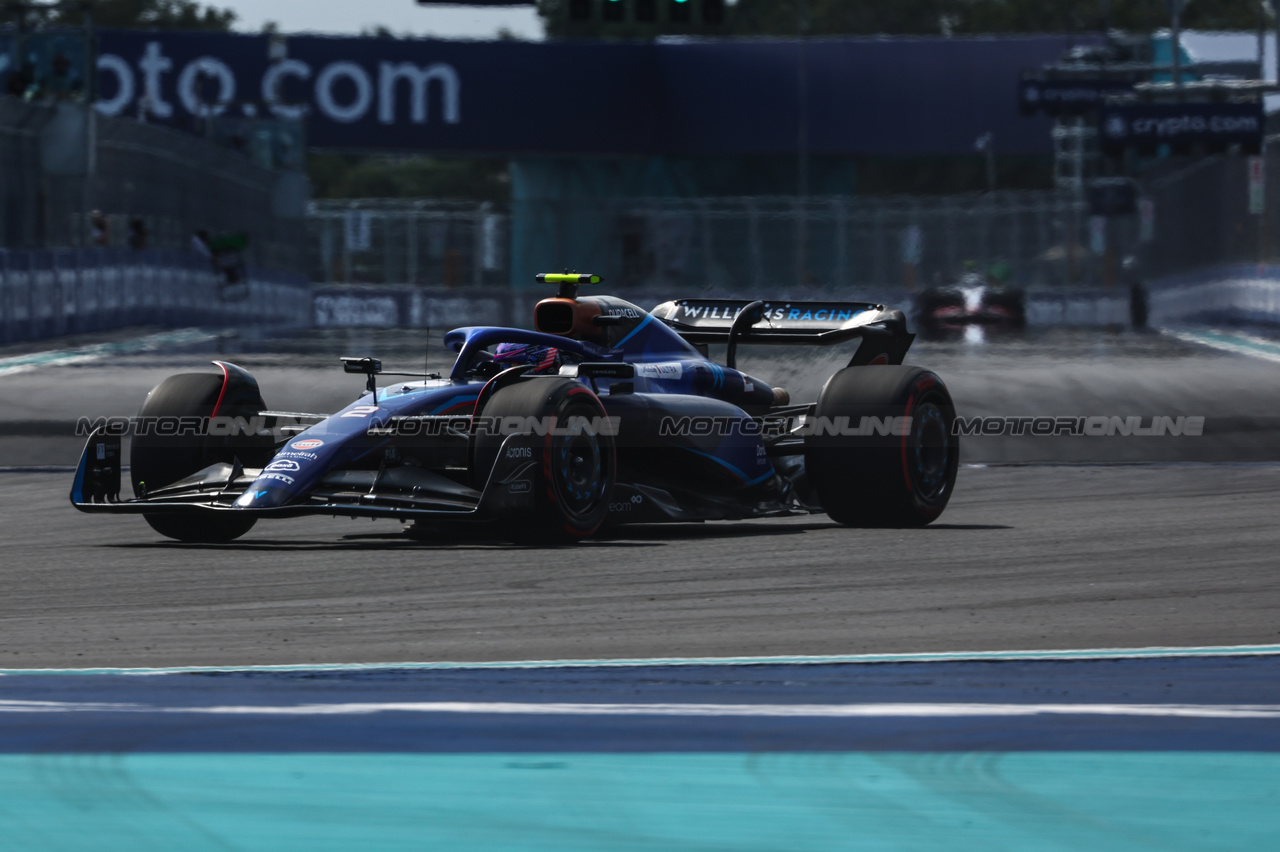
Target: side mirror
[(366, 365), (592, 370), (606, 370)]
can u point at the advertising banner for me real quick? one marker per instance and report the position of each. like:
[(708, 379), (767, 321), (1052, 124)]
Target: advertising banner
[(1181, 126), (863, 96), (1066, 97)]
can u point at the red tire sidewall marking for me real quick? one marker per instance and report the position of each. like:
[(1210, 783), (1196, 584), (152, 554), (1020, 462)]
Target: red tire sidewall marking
[(475, 408), (924, 383), (226, 380), (906, 438), (547, 459)]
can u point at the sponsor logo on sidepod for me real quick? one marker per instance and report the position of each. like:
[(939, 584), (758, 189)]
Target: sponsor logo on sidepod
[(308, 444), (636, 500), (660, 371)]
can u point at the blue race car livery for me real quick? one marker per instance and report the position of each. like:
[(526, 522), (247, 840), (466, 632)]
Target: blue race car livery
[(603, 414)]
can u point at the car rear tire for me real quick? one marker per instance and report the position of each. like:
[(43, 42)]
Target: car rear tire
[(157, 460), (893, 480), (577, 469)]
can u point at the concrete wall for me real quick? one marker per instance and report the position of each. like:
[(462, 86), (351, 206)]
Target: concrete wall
[(1213, 295), (1222, 294), (53, 293)]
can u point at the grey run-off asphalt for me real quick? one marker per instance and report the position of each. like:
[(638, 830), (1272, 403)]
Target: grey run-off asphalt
[(1025, 557)]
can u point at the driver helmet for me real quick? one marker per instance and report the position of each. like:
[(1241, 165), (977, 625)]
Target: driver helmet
[(546, 359)]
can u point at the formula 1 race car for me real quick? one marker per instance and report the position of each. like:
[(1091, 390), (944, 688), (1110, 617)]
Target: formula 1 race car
[(605, 414), (945, 312)]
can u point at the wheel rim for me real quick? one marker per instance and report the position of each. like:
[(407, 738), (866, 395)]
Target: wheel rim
[(931, 452), (578, 472)]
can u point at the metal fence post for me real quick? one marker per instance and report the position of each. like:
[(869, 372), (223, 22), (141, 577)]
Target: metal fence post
[(840, 218), (879, 271), (753, 237), (27, 285), (411, 245), (708, 258), (326, 248), (346, 252), (949, 219), (6, 298), (388, 265), (477, 248), (1015, 239)]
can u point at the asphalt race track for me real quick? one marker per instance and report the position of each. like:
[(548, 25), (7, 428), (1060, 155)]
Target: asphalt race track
[(1049, 543), (1173, 551), (1025, 557)]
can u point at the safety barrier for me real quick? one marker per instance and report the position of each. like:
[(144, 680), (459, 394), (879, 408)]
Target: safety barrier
[(46, 294), (440, 308), (52, 293), (412, 307), (1245, 293), (1078, 308)]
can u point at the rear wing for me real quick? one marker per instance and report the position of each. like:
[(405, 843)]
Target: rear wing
[(882, 330)]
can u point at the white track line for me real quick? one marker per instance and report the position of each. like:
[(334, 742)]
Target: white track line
[(828, 711), (1238, 344), (940, 657), (98, 351)]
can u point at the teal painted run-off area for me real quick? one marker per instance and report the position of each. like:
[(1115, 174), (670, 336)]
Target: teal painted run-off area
[(1148, 749), (760, 801)]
